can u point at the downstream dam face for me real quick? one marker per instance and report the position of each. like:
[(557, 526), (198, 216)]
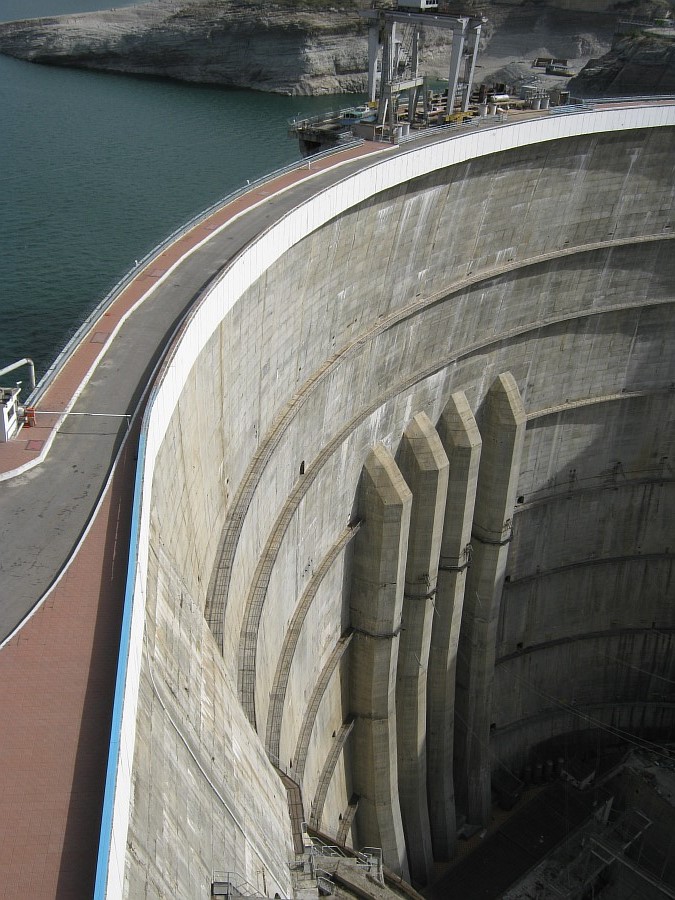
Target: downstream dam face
[(406, 507)]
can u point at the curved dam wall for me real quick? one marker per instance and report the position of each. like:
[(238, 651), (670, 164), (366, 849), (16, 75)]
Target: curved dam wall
[(405, 506)]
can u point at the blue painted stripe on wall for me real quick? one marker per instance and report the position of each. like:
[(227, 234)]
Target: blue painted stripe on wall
[(105, 839)]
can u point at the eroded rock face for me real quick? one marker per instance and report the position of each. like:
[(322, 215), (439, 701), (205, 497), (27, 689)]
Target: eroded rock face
[(636, 64), (244, 44), (309, 47)]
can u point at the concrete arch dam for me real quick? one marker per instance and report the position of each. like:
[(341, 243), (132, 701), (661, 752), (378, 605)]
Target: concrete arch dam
[(406, 507)]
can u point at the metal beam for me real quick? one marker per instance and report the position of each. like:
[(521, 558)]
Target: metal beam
[(431, 20)]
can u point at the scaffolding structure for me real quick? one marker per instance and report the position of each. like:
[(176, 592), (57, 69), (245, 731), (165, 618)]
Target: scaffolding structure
[(604, 846)]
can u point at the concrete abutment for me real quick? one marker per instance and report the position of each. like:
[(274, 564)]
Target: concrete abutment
[(502, 427)]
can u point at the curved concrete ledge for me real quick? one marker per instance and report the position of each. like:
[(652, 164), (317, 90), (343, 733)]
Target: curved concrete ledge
[(249, 509), (590, 636), (327, 773), (583, 563), (239, 507), (291, 638), (613, 719), (314, 702)]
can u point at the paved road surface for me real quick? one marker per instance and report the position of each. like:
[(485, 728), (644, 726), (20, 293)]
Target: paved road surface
[(44, 511)]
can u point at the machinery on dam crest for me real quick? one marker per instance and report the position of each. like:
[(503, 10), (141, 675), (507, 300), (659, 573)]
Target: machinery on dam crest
[(398, 95)]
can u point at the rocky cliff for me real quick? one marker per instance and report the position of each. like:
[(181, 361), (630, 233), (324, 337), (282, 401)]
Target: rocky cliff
[(642, 63), (288, 48), (298, 46)]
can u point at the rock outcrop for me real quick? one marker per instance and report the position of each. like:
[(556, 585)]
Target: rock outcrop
[(641, 63), (288, 48), (309, 47)]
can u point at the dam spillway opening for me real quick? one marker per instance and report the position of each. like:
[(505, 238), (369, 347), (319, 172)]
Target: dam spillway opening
[(429, 538)]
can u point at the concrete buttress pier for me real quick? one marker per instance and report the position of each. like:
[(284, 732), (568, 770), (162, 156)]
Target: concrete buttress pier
[(376, 604), (425, 467), (405, 503), (462, 441), (502, 426)]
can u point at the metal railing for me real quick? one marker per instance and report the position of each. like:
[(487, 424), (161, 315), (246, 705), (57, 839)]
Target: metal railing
[(231, 885), (582, 105), (320, 118), (128, 277), (114, 292), (590, 105), (644, 23), (368, 858), (475, 122), (324, 883), (369, 861)]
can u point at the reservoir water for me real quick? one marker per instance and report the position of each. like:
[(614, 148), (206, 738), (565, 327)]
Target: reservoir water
[(96, 169)]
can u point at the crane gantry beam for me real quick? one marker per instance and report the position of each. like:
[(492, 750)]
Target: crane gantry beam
[(384, 47)]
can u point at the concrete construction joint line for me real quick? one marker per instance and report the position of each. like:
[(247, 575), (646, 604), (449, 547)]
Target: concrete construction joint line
[(311, 470), (583, 711), (493, 541), (587, 636), (246, 488), (378, 635), (625, 395), (583, 563), (449, 568), (565, 490), (428, 596)]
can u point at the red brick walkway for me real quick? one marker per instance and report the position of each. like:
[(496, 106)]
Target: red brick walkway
[(57, 674), (57, 679)]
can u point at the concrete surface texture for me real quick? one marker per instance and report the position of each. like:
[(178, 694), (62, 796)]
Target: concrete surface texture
[(447, 408)]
